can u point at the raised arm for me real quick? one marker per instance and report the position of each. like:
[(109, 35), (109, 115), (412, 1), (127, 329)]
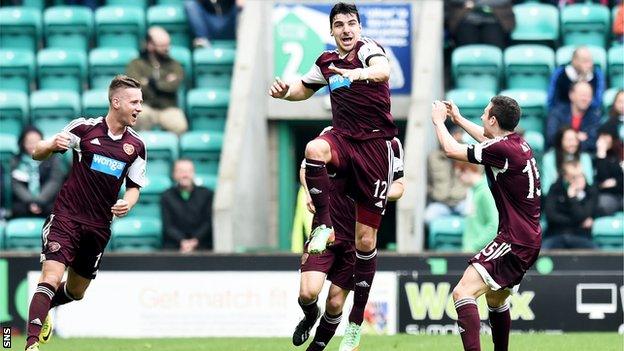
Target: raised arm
[(377, 71), (475, 130), (451, 147), (291, 92), (45, 148)]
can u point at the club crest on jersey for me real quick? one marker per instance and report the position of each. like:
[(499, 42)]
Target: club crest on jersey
[(128, 148), (107, 165), (337, 81)]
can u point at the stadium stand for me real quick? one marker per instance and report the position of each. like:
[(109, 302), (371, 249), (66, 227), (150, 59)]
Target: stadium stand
[(17, 69), (213, 67), (20, 28), (445, 233), (14, 111), (105, 63), (62, 69), (24, 234), (51, 110), (136, 233), (68, 27), (207, 108), (119, 26)]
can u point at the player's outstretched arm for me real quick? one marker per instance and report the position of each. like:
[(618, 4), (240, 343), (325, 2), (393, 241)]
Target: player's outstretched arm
[(377, 71), (44, 148), (475, 130), (396, 190), (451, 147), (291, 92)]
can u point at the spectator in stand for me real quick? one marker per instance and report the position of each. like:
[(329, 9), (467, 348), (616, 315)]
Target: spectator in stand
[(615, 117), (480, 21), (212, 20), (569, 209), (186, 211), (566, 147), (160, 77), (578, 113), (618, 24), (581, 68), (609, 175), (35, 184), (446, 194), (563, 3), (481, 221)]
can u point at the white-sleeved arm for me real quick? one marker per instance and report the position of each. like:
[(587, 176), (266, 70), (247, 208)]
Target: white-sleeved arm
[(314, 76), (369, 50), (136, 172)]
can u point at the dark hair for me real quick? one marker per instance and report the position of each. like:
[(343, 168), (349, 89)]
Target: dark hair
[(558, 146), (25, 131), (343, 8), (507, 112), (613, 114), (122, 81)]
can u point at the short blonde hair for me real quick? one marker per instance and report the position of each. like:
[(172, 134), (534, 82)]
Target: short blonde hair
[(121, 81)]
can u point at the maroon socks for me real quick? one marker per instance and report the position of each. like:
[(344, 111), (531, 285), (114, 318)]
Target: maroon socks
[(500, 321), (324, 332), (365, 267), (318, 184), (469, 323), (38, 311)]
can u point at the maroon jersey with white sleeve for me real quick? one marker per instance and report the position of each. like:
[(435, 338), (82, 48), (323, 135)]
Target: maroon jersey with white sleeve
[(513, 178), (101, 163), (360, 109)]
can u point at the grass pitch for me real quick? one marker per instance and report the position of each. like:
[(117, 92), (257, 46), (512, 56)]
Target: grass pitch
[(519, 342)]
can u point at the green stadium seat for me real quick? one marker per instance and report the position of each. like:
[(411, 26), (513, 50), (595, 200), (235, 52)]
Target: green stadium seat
[(51, 110), (95, 103), (8, 149), (68, 27), (38, 4), (170, 2), (118, 26), (445, 233), (184, 57), (207, 108), (528, 66), (477, 67), (20, 28), (173, 20), (608, 97), (616, 67), (62, 69), (536, 142), (13, 111), (203, 148), (213, 67), (223, 44), (536, 22), (608, 232), (105, 63), (471, 103), (138, 233), (149, 201), (17, 69), (207, 180), (162, 151), (564, 56), (533, 104), (24, 234), (142, 4), (585, 24)]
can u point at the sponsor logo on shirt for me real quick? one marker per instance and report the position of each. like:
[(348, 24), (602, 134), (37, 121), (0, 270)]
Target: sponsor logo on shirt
[(337, 81), (107, 165)]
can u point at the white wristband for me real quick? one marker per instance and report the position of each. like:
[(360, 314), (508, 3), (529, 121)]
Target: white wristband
[(287, 94)]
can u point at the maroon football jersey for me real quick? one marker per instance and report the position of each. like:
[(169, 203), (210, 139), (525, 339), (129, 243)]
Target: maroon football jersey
[(101, 163), (513, 178), (360, 109)]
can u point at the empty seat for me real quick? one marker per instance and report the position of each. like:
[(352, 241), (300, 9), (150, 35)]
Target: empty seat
[(207, 108), (106, 63), (142, 4), (162, 151), (20, 28), (173, 20), (117, 26), (51, 110), (184, 57), (68, 27), (445, 233), (13, 111), (223, 44), (24, 234), (471, 103), (585, 24), (136, 233), (599, 55), (149, 201), (207, 180), (203, 148), (95, 103), (477, 67), (616, 67), (536, 22), (528, 66), (213, 67), (62, 69), (17, 69), (533, 104), (608, 232)]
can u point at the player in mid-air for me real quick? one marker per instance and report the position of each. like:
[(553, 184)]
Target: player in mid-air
[(357, 74), (337, 262), (513, 179), (106, 152)]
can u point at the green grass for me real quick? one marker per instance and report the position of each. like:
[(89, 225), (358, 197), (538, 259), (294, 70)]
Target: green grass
[(519, 342)]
